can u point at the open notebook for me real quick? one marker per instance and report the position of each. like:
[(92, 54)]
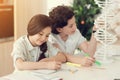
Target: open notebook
[(32, 75), (43, 71), (45, 74)]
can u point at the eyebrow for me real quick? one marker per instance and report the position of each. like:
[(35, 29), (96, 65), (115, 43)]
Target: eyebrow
[(72, 24), (43, 33)]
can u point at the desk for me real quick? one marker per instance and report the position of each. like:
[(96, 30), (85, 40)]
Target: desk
[(105, 72)]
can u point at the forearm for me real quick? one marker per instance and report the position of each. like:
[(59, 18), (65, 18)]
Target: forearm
[(83, 61), (30, 65), (73, 59), (92, 46), (60, 57)]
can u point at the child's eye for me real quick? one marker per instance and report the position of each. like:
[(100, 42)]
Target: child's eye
[(47, 35), (71, 26), (40, 34)]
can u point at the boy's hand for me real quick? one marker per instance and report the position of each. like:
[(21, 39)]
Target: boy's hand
[(87, 61)]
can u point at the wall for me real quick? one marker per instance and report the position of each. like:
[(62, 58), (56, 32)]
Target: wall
[(24, 10), (53, 3), (6, 65)]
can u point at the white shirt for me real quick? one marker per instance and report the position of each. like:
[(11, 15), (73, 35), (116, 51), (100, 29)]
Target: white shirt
[(23, 49), (72, 43)]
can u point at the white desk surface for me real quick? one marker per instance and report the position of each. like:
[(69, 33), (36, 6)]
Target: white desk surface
[(109, 71), (105, 72)]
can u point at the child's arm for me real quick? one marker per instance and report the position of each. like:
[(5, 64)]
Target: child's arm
[(60, 57), (89, 47), (84, 61), (24, 65)]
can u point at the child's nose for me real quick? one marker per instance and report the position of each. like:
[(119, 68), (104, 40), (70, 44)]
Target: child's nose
[(74, 28), (43, 38)]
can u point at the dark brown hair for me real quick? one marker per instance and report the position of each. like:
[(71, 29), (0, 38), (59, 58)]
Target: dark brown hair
[(35, 25), (60, 16)]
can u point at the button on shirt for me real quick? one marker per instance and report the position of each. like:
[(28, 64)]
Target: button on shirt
[(23, 49), (70, 44)]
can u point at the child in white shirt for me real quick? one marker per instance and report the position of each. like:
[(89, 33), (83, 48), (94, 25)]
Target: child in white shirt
[(67, 38), (33, 51)]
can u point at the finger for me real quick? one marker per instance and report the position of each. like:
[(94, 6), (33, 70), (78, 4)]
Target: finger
[(89, 62), (58, 67), (91, 59), (58, 63)]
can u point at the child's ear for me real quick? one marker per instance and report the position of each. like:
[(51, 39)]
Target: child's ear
[(59, 29)]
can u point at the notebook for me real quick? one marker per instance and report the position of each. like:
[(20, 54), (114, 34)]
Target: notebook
[(43, 71)]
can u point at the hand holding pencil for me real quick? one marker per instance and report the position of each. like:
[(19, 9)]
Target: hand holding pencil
[(96, 62), (87, 61)]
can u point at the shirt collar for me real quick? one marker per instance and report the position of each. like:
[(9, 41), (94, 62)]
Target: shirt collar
[(29, 45)]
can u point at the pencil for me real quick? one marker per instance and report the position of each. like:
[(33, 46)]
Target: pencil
[(73, 64)]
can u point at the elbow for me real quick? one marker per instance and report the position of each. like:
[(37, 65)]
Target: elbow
[(19, 66), (62, 57)]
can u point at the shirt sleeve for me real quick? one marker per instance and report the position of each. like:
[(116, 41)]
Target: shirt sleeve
[(52, 51), (52, 39), (81, 39), (18, 51)]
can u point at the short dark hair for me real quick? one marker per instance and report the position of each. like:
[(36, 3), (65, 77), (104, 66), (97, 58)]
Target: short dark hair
[(60, 16)]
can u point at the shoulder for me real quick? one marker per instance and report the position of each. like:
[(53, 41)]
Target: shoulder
[(49, 44), (20, 41), (77, 33), (52, 38)]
